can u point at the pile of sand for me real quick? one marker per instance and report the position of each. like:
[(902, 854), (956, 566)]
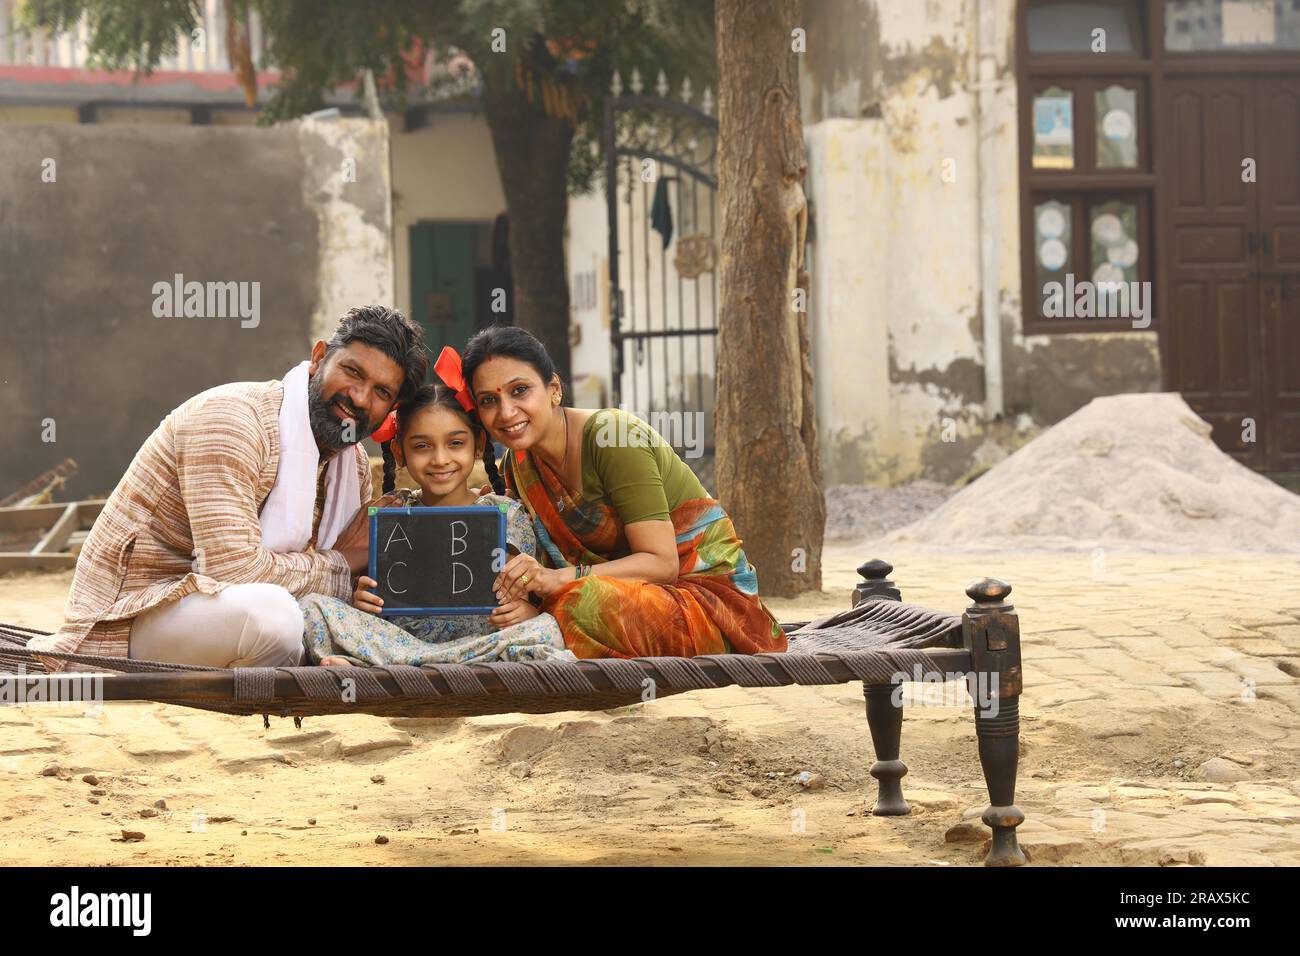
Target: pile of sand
[(1130, 472)]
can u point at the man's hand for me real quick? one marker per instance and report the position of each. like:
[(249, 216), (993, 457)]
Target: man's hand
[(354, 542)]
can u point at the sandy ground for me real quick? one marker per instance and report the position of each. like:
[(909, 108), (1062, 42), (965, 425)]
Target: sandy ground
[(1138, 671)]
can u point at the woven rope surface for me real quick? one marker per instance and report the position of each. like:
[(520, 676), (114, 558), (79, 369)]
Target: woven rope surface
[(254, 683), (873, 642)]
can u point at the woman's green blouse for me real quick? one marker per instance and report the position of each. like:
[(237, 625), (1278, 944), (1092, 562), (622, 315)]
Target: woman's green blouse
[(628, 465)]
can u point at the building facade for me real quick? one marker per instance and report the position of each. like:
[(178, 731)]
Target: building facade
[(1015, 206)]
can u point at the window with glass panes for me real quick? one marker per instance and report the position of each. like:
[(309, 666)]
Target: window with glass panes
[(1087, 178)]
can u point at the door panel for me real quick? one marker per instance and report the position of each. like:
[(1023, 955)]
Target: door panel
[(1278, 104), (443, 280), (1216, 360)]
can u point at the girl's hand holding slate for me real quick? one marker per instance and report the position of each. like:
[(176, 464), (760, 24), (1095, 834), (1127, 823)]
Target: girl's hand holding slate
[(363, 599), (512, 612)]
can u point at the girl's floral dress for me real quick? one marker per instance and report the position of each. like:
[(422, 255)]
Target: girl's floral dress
[(335, 628)]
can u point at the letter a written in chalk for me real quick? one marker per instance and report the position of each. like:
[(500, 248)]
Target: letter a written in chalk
[(397, 530)]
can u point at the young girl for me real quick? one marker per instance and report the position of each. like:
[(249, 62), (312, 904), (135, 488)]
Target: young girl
[(438, 440)]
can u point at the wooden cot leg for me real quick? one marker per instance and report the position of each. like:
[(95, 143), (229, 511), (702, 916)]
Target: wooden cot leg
[(885, 719), (991, 632), (999, 743)]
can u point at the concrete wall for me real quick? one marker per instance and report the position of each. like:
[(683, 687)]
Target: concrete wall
[(888, 95), (81, 345)]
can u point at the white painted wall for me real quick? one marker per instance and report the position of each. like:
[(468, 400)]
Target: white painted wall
[(896, 270), (587, 256)]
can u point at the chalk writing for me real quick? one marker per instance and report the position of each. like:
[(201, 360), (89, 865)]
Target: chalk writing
[(437, 560)]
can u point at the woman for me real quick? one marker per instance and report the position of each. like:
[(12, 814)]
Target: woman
[(644, 563)]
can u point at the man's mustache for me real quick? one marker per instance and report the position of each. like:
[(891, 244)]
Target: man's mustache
[(357, 416)]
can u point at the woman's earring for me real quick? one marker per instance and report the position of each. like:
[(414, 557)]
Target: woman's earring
[(555, 400)]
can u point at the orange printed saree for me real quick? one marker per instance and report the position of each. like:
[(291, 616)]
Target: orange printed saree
[(713, 608)]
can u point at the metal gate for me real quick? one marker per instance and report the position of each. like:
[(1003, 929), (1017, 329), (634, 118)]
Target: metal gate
[(660, 190)]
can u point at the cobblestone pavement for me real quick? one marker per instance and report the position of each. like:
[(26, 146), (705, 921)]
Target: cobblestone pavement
[(1161, 703)]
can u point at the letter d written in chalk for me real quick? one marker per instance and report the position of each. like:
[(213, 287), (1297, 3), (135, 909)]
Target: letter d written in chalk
[(456, 569)]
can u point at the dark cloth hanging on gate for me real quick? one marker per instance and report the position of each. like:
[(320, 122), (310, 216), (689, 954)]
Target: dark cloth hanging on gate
[(661, 214)]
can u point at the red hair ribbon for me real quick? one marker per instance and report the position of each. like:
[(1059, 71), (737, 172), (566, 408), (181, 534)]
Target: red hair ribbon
[(447, 368), (388, 430)]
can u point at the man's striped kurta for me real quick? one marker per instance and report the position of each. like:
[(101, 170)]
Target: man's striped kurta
[(184, 519)]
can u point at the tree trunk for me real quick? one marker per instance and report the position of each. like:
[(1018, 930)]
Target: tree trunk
[(532, 153), (768, 471)]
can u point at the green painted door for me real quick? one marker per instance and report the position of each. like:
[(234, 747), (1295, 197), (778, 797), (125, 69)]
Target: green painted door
[(442, 282)]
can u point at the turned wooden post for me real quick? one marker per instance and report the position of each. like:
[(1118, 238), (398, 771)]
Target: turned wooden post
[(991, 632), (884, 716), (876, 583), (885, 719)]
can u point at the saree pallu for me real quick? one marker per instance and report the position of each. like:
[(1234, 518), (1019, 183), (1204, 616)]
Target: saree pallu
[(712, 608)]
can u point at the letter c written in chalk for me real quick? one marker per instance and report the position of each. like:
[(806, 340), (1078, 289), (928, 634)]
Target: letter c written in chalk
[(388, 578)]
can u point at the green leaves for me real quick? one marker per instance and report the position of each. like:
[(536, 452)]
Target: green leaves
[(564, 52), (123, 34)]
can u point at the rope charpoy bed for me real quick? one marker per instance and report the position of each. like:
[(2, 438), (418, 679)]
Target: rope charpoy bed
[(880, 641)]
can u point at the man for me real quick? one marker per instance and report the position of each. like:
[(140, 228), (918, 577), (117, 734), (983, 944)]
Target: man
[(244, 499)]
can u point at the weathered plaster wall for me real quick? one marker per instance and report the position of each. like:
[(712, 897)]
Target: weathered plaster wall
[(80, 341), (346, 182), (891, 115)]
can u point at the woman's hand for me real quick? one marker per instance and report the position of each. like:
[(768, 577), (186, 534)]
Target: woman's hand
[(363, 599), (512, 612), (522, 575)]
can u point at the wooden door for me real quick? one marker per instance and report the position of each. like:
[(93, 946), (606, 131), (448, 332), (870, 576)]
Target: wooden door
[(1278, 110), (443, 280), (1231, 180), (1213, 344)]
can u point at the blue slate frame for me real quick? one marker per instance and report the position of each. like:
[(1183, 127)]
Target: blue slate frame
[(421, 509)]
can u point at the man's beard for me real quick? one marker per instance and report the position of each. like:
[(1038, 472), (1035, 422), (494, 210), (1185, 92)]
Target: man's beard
[(332, 434)]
